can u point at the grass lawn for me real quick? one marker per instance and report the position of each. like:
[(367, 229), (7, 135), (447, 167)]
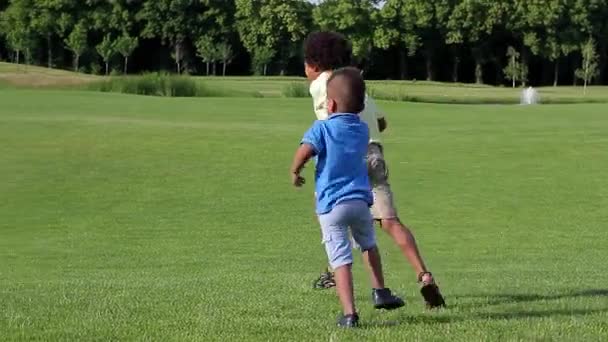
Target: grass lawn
[(422, 91), (38, 77), (142, 218), (22, 76)]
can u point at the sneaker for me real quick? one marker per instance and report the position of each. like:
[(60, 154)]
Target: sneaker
[(430, 291), (384, 299), (325, 281), (348, 321)]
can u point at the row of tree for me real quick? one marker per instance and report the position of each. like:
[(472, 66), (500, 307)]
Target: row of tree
[(485, 41)]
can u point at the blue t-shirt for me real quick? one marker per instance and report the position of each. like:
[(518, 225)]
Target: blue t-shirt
[(340, 147)]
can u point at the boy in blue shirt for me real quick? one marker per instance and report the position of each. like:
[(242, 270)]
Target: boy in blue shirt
[(327, 51), (343, 192)]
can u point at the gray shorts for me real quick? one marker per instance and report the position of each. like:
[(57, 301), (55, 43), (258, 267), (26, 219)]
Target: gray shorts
[(335, 226)]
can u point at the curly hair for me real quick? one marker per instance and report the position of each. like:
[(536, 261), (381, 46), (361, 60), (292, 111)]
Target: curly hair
[(327, 50)]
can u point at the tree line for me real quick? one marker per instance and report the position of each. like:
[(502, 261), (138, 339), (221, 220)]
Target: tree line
[(512, 42)]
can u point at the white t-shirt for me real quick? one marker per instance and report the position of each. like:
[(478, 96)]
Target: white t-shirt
[(370, 115)]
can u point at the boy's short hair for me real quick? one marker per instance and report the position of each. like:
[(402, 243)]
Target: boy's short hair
[(351, 92), (327, 50)]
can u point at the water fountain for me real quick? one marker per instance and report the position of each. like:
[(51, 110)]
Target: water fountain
[(529, 96)]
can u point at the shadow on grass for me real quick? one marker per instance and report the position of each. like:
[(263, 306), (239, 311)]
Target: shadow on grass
[(446, 317), (515, 315), (482, 316), (506, 298), (381, 324)]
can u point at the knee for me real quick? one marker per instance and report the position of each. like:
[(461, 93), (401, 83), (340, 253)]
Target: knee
[(393, 224), (340, 260), (398, 231), (343, 266), (371, 248)]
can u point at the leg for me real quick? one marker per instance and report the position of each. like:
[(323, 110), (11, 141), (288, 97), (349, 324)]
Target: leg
[(326, 279), (364, 235), (404, 238), (334, 227), (344, 287), (372, 260), (384, 211)]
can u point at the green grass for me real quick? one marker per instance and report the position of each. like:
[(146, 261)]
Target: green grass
[(433, 92), (296, 89), (142, 218), (160, 84), (421, 91), (28, 76), (409, 91)]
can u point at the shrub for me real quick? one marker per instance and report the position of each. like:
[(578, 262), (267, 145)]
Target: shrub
[(163, 84), (95, 69), (295, 89), (151, 84), (181, 86)]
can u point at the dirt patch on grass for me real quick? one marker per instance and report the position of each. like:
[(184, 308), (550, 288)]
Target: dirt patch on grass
[(38, 80), (37, 77)]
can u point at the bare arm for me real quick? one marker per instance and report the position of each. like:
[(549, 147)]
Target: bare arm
[(303, 155), (382, 124)]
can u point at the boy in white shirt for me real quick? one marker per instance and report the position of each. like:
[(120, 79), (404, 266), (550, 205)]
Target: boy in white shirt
[(323, 53)]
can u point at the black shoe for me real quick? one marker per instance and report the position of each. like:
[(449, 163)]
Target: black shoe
[(325, 281), (384, 299), (348, 321), (430, 291)]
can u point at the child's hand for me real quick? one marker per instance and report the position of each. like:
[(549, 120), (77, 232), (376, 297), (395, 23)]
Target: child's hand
[(303, 154), (297, 180)]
